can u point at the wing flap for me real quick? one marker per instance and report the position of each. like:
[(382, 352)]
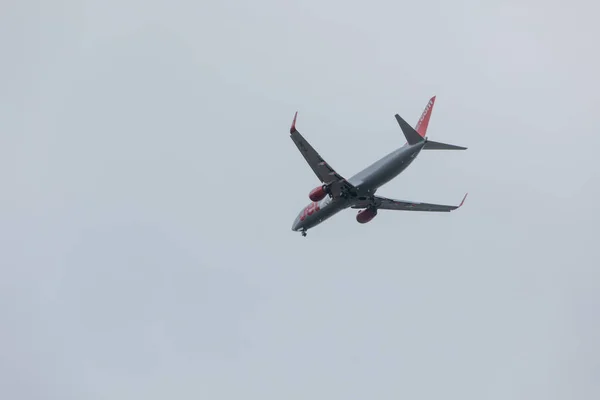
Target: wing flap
[(383, 203)]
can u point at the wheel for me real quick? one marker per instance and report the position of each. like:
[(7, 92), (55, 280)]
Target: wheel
[(304, 233)]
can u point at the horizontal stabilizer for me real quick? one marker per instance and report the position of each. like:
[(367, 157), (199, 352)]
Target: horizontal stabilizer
[(412, 136), (431, 145)]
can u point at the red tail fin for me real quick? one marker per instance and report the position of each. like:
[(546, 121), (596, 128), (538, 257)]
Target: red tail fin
[(424, 120)]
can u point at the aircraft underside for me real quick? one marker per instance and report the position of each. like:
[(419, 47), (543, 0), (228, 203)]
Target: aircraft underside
[(335, 193)]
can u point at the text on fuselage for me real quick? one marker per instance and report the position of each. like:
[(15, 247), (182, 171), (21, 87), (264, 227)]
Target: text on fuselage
[(309, 210)]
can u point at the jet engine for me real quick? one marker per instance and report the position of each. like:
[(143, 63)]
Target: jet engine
[(366, 215), (318, 193)]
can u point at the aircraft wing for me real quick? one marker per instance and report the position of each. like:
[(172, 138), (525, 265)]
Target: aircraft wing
[(383, 203), (326, 174)]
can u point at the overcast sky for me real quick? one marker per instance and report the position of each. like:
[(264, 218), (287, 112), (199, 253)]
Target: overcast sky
[(149, 187)]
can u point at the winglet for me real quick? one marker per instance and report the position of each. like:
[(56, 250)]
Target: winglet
[(293, 127), (463, 201)]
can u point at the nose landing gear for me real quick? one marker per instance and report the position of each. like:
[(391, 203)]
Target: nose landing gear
[(303, 232)]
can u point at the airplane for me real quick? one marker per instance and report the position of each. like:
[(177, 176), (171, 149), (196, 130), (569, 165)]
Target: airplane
[(337, 193)]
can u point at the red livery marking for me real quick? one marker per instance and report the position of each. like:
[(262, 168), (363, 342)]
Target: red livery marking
[(293, 127), (309, 210), (423, 122)]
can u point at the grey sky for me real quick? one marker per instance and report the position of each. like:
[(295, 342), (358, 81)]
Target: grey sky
[(146, 215)]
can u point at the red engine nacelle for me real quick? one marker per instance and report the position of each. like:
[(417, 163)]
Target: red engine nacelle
[(318, 193), (366, 215)]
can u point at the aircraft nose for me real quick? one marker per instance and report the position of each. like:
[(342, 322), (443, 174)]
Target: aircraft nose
[(296, 224)]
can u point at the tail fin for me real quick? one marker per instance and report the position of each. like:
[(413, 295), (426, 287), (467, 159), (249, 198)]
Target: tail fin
[(417, 134), (423, 122), (431, 145)]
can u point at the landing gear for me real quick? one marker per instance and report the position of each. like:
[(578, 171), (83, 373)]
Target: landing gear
[(303, 232)]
